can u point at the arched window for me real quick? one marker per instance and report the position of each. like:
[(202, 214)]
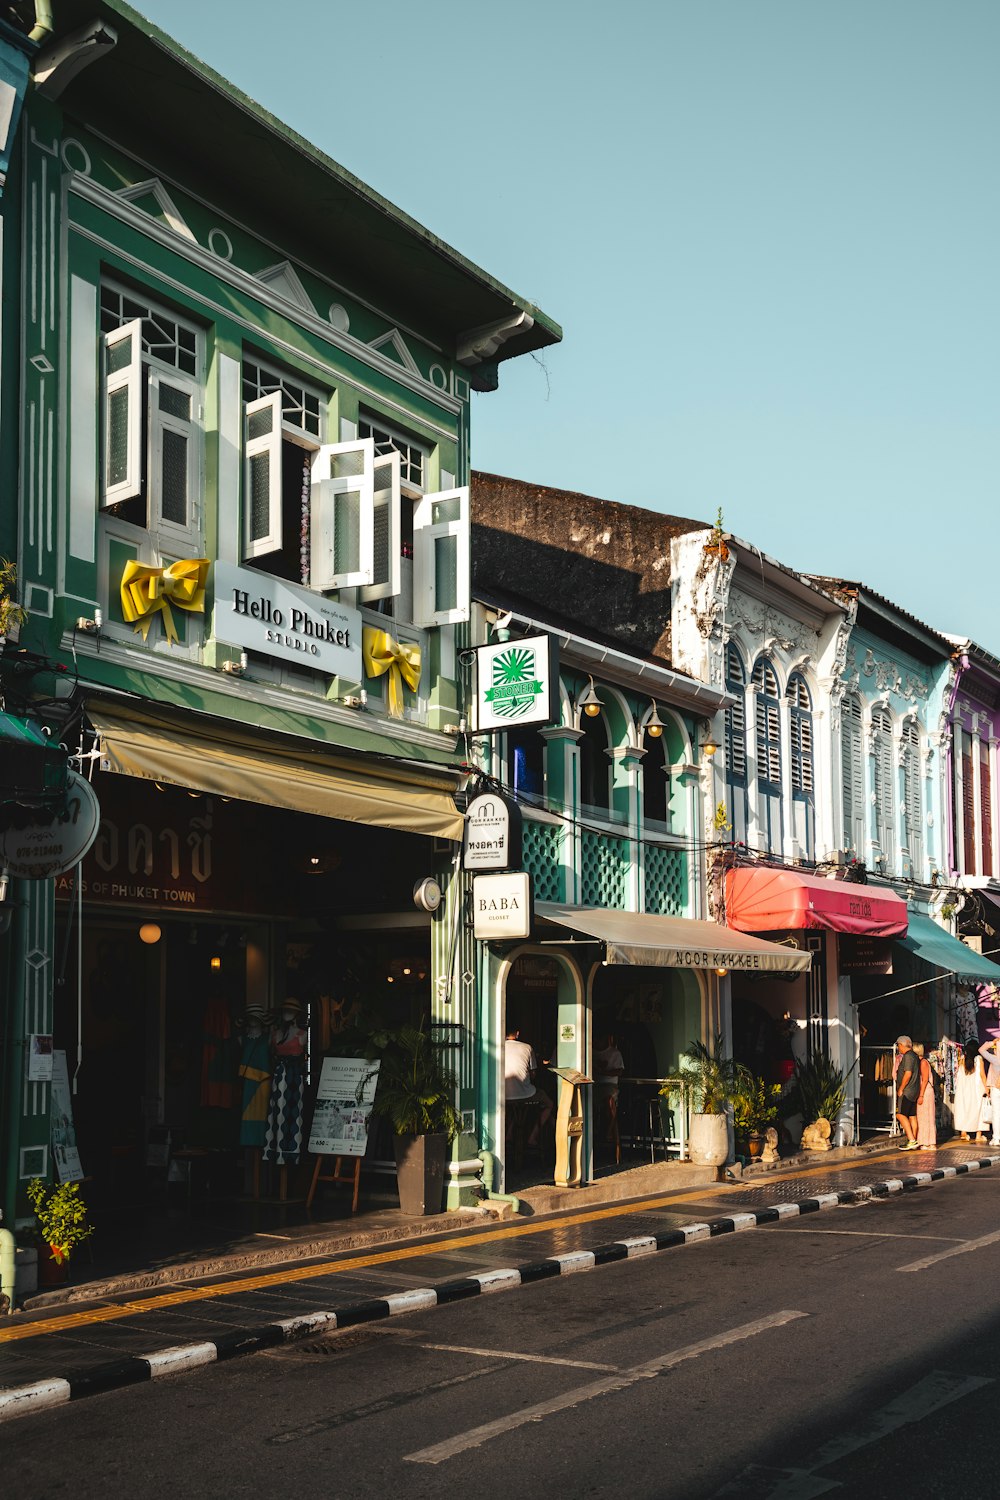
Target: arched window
[(736, 747), (768, 740), (526, 763), (913, 801), (803, 789), (853, 776), (655, 780), (595, 767), (885, 802)]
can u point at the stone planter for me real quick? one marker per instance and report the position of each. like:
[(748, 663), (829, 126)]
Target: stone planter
[(420, 1173), (709, 1140)]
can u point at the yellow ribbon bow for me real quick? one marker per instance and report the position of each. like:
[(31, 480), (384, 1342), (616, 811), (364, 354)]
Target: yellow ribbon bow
[(382, 654), (147, 592)]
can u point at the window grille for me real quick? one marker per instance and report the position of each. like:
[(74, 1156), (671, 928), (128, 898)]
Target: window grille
[(411, 455), (163, 338), (300, 408)]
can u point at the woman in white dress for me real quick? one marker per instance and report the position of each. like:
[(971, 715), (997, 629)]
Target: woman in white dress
[(970, 1086)]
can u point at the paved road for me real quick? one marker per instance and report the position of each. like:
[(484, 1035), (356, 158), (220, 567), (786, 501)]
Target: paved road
[(853, 1352)]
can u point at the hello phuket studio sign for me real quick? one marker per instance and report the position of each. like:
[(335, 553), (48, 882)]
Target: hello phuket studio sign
[(259, 613)]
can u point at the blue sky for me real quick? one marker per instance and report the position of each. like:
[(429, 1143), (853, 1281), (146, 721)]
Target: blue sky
[(769, 229)]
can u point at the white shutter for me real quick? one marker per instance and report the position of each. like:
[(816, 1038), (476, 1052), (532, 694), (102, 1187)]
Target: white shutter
[(385, 582), (173, 456), (262, 476), (852, 773), (342, 530), (122, 459), (441, 558)]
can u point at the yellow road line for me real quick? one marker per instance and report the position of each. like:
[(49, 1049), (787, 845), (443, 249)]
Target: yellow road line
[(115, 1311)]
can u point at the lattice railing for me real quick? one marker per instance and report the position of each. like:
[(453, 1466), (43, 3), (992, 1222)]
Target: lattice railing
[(604, 866), (542, 852), (666, 881)]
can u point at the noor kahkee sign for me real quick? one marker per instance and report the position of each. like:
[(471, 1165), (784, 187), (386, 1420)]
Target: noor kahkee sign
[(492, 833)]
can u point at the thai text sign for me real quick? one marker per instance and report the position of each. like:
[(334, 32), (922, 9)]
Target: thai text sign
[(57, 844), (259, 613), (344, 1102), (492, 833)]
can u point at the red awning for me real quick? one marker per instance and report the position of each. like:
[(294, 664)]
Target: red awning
[(766, 900)]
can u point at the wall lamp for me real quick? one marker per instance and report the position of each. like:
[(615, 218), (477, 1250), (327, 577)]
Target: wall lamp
[(654, 724), (709, 746), (589, 701)]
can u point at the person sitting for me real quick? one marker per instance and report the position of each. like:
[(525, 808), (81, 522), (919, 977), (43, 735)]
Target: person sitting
[(519, 1068)]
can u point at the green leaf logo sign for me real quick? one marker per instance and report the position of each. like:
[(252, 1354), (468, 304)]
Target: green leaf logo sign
[(515, 687)]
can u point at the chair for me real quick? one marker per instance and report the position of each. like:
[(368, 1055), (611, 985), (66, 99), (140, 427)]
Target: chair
[(522, 1117)]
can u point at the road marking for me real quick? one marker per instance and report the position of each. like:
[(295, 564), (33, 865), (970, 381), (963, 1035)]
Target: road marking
[(534, 1359), (474, 1437), (380, 1404), (875, 1234), (962, 1249)]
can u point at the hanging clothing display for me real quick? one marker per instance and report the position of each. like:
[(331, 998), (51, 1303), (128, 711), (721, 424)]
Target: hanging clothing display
[(217, 1057), (255, 1070), (283, 1136)]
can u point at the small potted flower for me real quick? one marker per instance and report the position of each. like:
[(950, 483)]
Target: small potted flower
[(755, 1107), (62, 1223)]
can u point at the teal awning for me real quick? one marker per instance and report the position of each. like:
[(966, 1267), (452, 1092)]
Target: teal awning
[(926, 940)]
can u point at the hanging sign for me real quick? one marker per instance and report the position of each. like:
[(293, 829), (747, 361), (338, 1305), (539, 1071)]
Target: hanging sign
[(54, 846), (344, 1102), (64, 1148), (517, 682), (502, 906), (861, 953), (492, 833), (260, 613)]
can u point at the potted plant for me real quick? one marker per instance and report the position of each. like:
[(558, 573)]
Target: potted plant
[(755, 1107), (12, 614), (818, 1092), (716, 1079), (416, 1093), (62, 1223)]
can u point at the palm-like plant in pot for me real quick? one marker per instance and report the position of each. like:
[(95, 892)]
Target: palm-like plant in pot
[(416, 1094), (716, 1079)]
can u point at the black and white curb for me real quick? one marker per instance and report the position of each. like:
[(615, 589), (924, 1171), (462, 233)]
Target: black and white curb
[(136, 1369)]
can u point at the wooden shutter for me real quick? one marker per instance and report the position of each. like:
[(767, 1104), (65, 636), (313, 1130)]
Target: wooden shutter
[(852, 773), (736, 720), (385, 582), (122, 460), (441, 558), (885, 802), (968, 806), (768, 724), (342, 531), (913, 802), (262, 530)]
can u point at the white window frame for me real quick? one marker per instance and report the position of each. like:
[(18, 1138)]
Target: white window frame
[(325, 491), (426, 533), (128, 378), (172, 533), (270, 444), (390, 499)]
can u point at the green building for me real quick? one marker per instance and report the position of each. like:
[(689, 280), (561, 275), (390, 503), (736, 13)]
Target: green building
[(234, 440)]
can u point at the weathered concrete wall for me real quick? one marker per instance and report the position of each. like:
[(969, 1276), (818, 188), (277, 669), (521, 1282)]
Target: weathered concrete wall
[(588, 562)]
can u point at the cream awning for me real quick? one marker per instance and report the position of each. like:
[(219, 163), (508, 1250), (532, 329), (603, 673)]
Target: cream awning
[(675, 942), (229, 760)]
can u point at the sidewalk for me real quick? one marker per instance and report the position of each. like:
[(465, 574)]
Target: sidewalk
[(52, 1354)]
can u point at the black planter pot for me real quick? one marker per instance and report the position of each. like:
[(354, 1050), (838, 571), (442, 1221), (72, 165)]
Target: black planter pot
[(420, 1168)]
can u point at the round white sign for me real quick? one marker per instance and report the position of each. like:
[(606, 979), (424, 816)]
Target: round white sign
[(55, 846)]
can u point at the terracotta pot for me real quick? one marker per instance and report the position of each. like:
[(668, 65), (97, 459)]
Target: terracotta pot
[(755, 1143)]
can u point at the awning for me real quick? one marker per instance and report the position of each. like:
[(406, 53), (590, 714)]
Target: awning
[(926, 940), (761, 899), (227, 760), (674, 942)]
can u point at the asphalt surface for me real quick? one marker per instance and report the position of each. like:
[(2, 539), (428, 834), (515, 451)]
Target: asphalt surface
[(851, 1351)]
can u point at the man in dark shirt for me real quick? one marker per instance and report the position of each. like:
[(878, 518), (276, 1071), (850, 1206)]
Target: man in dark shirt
[(907, 1090)]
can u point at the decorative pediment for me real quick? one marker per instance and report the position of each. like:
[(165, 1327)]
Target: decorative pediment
[(283, 280), (393, 346), (152, 198)]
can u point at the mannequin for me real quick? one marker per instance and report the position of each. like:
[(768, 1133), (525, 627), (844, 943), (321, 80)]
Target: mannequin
[(289, 1042), (255, 1070)]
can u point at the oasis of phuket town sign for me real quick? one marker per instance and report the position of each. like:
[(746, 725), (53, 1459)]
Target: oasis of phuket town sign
[(517, 682)]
